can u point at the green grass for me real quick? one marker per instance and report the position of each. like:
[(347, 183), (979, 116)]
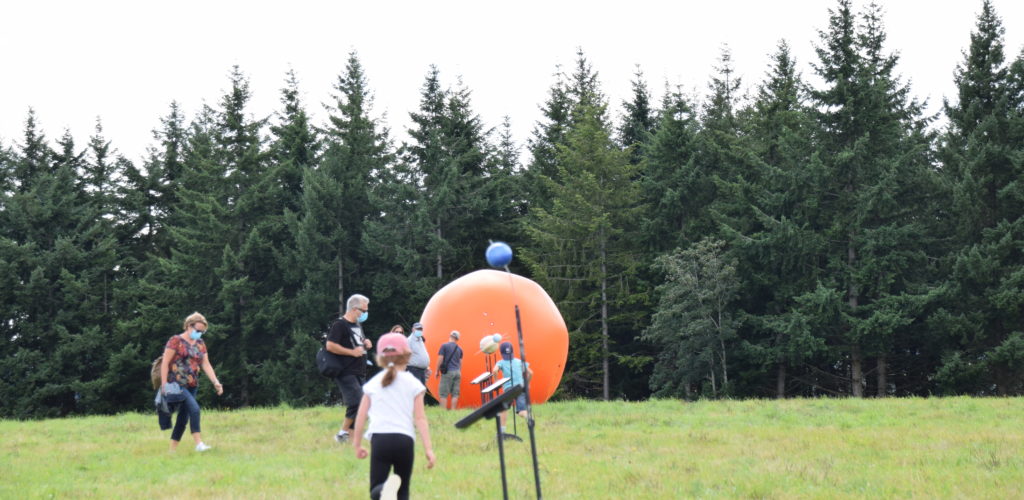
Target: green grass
[(819, 448)]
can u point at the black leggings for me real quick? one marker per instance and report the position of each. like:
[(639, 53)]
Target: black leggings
[(391, 450)]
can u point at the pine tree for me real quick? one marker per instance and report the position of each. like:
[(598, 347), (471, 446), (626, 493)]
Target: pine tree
[(639, 120), (543, 144), (336, 202), (982, 160), (582, 250), (877, 152), (57, 251), (461, 199), (773, 227), (674, 188)]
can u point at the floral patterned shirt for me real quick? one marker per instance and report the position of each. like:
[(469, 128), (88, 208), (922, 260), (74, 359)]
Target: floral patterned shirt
[(186, 362)]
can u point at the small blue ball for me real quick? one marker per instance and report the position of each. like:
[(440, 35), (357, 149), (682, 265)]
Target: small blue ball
[(499, 254)]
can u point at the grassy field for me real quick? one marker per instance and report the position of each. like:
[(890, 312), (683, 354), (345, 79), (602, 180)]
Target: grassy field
[(819, 448)]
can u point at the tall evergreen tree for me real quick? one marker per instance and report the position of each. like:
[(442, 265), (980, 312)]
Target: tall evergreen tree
[(878, 162), (583, 248), (773, 226), (461, 199), (982, 160), (674, 187), (639, 120), (336, 201), (57, 253)]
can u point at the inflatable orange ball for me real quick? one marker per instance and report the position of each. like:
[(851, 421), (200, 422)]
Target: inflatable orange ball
[(483, 303)]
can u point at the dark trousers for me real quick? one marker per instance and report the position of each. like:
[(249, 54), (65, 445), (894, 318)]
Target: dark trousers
[(351, 387), (188, 413), (419, 373), (391, 450)]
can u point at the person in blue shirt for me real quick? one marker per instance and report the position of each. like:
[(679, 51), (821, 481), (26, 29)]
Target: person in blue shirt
[(449, 370), (512, 368)]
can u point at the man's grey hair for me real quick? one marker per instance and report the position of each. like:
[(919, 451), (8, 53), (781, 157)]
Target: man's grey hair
[(356, 301)]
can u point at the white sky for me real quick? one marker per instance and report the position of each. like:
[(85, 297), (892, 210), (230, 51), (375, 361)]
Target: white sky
[(125, 61)]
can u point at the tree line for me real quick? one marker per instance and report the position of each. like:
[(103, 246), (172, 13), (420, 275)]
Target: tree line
[(793, 240)]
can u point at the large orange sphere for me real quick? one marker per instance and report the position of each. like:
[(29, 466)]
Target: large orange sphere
[(483, 303)]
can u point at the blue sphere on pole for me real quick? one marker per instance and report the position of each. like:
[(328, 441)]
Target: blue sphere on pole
[(499, 254)]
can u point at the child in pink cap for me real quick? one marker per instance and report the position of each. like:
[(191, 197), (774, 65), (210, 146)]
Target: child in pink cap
[(393, 401)]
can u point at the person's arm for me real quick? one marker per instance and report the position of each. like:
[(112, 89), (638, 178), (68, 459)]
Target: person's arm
[(338, 333), (341, 350), (357, 433), (440, 363), (424, 429), (208, 370), (529, 373), (165, 366)]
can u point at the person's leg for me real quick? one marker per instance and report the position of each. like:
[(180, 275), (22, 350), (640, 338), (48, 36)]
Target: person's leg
[(380, 462), (192, 406), (403, 458), (351, 394), (521, 405), (442, 390), (456, 382), (179, 426)]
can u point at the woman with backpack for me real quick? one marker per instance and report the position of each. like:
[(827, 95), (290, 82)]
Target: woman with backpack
[(184, 355)]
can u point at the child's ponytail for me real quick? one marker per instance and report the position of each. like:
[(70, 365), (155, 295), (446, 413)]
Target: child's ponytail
[(388, 361)]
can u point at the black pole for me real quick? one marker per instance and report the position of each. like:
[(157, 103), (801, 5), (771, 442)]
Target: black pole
[(515, 421), (529, 404), (501, 456)]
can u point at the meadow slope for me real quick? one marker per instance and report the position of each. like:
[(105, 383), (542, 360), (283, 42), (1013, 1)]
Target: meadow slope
[(661, 449)]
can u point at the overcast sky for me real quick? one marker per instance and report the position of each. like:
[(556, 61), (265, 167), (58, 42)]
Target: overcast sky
[(125, 61)]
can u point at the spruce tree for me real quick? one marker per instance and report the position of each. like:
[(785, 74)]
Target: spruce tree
[(356, 149), (582, 250), (877, 159), (58, 251), (773, 227), (639, 120), (543, 144), (674, 188), (982, 161)]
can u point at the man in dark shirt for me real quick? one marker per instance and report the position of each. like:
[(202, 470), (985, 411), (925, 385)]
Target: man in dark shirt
[(347, 340), (449, 368)]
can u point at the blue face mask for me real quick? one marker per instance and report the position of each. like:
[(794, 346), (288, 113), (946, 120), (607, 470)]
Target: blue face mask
[(362, 317), (196, 334), (417, 333)]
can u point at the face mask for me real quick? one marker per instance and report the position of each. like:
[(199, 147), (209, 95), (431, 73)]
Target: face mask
[(195, 334), (417, 333), (362, 317)]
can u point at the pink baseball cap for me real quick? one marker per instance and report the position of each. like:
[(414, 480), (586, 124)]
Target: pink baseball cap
[(395, 342)]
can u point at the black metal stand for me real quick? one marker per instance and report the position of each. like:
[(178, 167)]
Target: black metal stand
[(529, 405), (493, 409)]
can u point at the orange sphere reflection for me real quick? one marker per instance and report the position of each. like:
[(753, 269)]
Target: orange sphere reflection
[(483, 303)]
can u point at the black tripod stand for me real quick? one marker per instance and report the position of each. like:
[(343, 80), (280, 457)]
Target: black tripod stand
[(492, 409)]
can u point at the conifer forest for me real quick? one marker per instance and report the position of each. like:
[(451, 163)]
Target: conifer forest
[(797, 236)]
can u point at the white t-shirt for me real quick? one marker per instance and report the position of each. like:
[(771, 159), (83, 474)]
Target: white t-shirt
[(391, 407)]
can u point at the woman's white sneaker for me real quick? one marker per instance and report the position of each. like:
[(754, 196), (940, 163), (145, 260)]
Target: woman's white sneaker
[(201, 447)]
